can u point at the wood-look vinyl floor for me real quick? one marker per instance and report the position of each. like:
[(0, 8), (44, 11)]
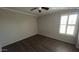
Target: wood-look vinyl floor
[(39, 43)]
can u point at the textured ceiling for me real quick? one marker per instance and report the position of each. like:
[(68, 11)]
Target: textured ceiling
[(35, 12)]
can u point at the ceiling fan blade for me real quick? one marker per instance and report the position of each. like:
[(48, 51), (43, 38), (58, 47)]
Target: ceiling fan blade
[(33, 9), (46, 8)]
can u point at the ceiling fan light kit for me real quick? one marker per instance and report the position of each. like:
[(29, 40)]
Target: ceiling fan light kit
[(39, 9)]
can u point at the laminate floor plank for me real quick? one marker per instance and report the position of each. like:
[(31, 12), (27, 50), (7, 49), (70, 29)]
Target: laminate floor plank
[(39, 43)]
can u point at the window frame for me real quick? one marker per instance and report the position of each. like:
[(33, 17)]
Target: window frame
[(68, 24)]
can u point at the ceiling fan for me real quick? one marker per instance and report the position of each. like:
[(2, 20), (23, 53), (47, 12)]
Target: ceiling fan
[(39, 9)]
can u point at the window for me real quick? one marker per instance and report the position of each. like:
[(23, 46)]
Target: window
[(67, 24)]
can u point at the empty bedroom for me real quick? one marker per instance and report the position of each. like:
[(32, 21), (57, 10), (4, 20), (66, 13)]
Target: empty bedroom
[(39, 29)]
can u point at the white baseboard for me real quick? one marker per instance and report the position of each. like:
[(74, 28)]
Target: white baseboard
[(23, 37), (56, 38)]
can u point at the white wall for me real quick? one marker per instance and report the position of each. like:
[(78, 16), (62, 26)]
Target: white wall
[(77, 42), (15, 26), (49, 26)]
